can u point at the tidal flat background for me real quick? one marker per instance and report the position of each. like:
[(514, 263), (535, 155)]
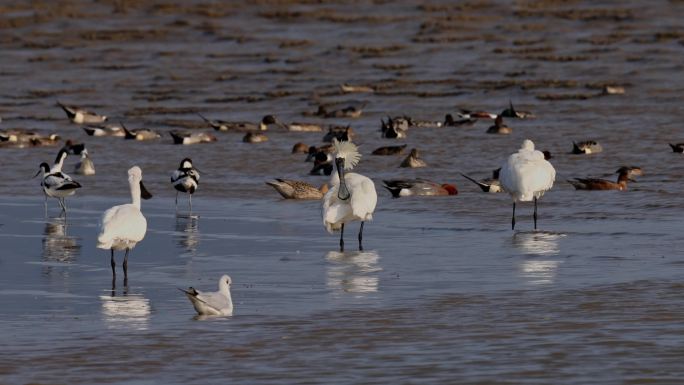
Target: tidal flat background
[(445, 292)]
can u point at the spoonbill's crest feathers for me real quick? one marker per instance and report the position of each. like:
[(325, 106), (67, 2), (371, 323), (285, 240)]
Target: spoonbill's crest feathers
[(349, 151)]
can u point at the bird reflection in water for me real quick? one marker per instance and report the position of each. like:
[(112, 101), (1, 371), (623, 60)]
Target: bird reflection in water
[(125, 311), (353, 272), (187, 232), (535, 271), (57, 245)]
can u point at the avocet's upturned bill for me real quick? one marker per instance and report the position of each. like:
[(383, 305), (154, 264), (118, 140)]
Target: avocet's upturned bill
[(352, 197), (526, 176), (55, 183), (185, 180), (123, 226), (217, 303)]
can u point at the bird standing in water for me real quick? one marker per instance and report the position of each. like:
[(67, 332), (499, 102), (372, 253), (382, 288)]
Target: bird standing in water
[(185, 179), (352, 196), (526, 176)]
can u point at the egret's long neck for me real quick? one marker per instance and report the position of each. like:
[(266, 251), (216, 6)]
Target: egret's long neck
[(135, 192)]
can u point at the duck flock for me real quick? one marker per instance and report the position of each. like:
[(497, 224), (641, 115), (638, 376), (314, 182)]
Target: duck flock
[(348, 196)]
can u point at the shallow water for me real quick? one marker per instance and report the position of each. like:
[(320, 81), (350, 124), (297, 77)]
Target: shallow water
[(445, 291)]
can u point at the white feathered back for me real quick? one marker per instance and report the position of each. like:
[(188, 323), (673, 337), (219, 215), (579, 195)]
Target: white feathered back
[(349, 151)]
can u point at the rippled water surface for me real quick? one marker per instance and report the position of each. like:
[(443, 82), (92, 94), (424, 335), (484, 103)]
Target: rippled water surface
[(445, 292)]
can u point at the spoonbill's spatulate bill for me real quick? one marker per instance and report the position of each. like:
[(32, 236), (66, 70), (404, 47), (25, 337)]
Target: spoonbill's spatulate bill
[(217, 303), (185, 180), (526, 176), (55, 183), (352, 196), (123, 226)]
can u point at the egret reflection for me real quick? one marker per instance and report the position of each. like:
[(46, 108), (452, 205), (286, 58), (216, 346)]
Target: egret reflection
[(353, 272), (126, 311), (537, 243), (57, 245), (187, 232)]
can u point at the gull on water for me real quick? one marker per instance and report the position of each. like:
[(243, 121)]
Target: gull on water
[(352, 196), (526, 176), (85, 166), (216, 303), (123, 226)]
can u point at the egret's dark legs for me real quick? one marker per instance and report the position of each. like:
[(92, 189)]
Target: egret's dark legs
[(513, 219), (535, 213), (113, 263), (342, 238), (361, 237), (125, 266)]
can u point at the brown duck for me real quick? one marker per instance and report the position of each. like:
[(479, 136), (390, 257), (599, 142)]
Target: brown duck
[(413, 160), (389, 150), (624, 174), (294, 189)]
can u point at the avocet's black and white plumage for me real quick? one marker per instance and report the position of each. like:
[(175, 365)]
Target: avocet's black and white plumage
[(123, 226), (185, 179), (352, 196), (55, 183)]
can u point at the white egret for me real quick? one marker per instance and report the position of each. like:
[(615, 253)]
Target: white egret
[(526, 176), (352, 197)]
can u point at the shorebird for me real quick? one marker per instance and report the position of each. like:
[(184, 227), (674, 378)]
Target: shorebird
[(413, 160), (625, 174), (526, 176), (85, 166), (679, 147), (185, 180), (352, 196), (217, 303), (586, 147), (295, 189), (418, 187), (73, 148), (499, 127), (389, 150), (82, 116), (55, 183), (141, 134), (192, 137), (123, 226), (490, 185)]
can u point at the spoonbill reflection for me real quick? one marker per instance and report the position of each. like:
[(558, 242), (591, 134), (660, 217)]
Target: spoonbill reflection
[(354, 272)]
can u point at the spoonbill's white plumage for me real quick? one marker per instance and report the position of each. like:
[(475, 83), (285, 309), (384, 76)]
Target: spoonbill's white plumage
[(55, 183), (526, 176), (185, 179), (123, 226), (217, 303), (352, 196), (85, 166)]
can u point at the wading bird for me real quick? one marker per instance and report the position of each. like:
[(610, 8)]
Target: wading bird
[(185, 180), (55, 183), (123, 226), (352, 196), (526, 176)]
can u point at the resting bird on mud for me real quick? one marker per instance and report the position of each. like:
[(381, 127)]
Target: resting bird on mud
[(352, 196)]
